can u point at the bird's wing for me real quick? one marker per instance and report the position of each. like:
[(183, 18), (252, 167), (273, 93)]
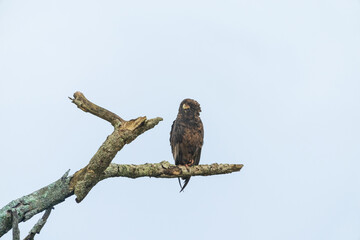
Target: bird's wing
[(200, 142), (175, 141)]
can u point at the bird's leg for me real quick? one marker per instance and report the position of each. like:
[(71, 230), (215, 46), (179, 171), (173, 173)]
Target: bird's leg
[(190, 163)]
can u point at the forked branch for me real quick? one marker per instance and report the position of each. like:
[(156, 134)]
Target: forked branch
[(124, 133)]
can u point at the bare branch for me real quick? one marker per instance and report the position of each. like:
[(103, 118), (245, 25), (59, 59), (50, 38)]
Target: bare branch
[(36, 202), (87, 106), (166, 170), (58, 191), (124, 133), (85, 179), (39, 225), (15, 225)]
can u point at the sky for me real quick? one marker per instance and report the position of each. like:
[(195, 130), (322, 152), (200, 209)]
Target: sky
[(278, 83)]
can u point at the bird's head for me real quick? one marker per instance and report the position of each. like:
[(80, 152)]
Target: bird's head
[(189, 107)]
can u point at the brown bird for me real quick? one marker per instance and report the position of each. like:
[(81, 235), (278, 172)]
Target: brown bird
[(186, 136)]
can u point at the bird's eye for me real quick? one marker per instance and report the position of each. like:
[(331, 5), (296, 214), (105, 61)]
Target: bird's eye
[(185, 106)]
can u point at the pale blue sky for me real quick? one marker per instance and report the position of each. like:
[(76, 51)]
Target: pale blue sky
[(278, 83)]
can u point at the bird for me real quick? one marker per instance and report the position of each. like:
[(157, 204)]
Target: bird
[(187, 136)]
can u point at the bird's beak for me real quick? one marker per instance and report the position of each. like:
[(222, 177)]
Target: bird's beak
[(185, 106)]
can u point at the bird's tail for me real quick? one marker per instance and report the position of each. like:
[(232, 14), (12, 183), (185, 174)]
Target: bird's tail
[(186, 181)]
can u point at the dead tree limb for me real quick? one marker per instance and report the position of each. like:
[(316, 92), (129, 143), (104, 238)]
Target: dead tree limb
[(166, 170), (124, 133), (100, 168), (39, 225), (55, 193), (15, 224), (84, 104), (34, 203)]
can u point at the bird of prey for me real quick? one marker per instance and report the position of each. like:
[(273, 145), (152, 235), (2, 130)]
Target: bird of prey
[(186, 136)]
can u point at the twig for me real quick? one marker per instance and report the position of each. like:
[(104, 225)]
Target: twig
[(15, 225), (39, 225)]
